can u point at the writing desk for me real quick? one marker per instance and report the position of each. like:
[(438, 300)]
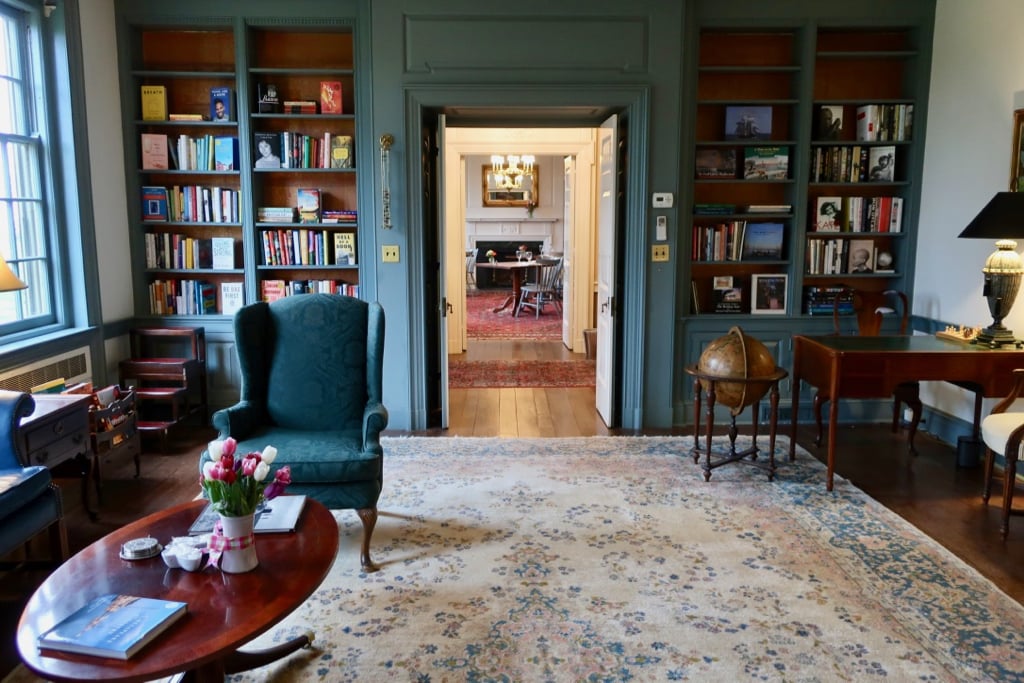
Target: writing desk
[(516, 269), (871, 367)]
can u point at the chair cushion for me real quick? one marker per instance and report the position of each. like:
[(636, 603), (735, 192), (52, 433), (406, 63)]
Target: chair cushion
[(996, 429), (317, 457), (21, 485)]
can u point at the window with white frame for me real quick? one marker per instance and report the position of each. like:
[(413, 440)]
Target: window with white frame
[(26, 237)]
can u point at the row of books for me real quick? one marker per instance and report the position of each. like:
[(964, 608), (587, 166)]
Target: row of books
[(858, 214), (272, 290), (269, 102), (187, 153), (189, 204), (839, 256), (853, 164), (307, 247), (292, 149), (183, 297), (154, 105), (821, 300), (885, 122), (723, 209), (176, 251), (738, 241)]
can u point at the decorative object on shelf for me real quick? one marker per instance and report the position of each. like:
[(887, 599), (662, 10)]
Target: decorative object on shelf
[(491, 255), (235, 489), (1002, 219), (768, 293), (509, 172), (9, 282), (386, 141)]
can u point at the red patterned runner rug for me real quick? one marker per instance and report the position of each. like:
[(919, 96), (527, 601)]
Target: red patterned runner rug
[(520, 373)]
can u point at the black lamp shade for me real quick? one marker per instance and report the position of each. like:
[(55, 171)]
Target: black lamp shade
[(1002, 218)]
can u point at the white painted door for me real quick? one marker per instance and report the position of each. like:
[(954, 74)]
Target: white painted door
[(568, 259), (442, 246), (607, 161)]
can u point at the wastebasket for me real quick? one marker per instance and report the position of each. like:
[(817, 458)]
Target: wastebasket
[(590, 343)]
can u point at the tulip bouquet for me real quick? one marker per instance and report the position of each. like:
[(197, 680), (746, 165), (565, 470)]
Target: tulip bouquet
[(235, 486)]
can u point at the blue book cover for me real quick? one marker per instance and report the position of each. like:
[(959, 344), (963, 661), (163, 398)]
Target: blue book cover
[(222, 105), (225, 153), (113, 625), (154, 203)]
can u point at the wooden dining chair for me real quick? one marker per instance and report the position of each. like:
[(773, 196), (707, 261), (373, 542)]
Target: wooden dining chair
[(536, 294), (870, 311)]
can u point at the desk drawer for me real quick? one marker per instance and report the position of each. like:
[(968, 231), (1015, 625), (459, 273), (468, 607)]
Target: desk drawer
[(58, 439)]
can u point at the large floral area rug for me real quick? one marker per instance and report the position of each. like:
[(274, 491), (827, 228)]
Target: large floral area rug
[(482, 322), (520, 373), (610, 559)]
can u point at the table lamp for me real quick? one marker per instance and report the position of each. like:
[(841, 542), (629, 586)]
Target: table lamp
[(9, 282), (1002, 220)]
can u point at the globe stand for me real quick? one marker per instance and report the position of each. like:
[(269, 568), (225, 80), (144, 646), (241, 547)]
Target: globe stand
[(709, 383)]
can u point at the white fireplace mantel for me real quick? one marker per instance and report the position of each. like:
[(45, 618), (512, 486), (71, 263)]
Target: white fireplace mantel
[(486, 229)]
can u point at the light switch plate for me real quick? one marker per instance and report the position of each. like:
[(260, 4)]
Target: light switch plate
[(659, 252), (661, 200)]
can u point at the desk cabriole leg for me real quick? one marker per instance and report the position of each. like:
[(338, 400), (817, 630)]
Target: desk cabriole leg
[(709, 427)]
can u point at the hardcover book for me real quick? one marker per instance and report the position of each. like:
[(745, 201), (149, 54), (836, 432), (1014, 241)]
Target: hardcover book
[(225, 153), (272, 290), (727, 299), (223, 253), (275, 516), (113, 625), (308, 203), (882, 162), (765, 163), (267, 99), (154, 102), (830, 122), (762, 242), (330, 97), (268, 150), (748, 123), (222, 105), (154, 203), (231, 297), (716, 162), (826, 214), (154, 151), (861, 255), (341, 151), (345, 248)]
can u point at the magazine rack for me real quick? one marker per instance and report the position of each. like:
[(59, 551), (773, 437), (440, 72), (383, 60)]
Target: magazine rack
[(113, 428)]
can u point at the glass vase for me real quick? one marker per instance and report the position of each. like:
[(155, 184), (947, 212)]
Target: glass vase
[(239, 544)]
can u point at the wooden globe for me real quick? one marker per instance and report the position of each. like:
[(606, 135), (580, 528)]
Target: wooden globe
[(736, 355)]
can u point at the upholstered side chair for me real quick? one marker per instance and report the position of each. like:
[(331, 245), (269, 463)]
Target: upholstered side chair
[(311, 385), (29, 500), (1002, 431)]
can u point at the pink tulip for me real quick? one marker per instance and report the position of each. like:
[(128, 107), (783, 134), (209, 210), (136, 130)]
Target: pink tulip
[(249, 464), (229, 447)]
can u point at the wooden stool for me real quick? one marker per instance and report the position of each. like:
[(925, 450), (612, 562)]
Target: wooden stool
[(733, 455)]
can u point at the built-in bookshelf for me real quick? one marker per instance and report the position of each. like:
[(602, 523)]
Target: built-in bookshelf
[(201, 99), (813, 129), (304, 98), (745, 151), (186, 173)]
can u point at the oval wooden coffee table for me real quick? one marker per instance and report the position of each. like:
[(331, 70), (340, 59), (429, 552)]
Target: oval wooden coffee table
[(225, 611)]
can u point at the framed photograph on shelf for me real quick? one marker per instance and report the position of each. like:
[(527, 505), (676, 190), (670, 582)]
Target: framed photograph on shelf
[(1017, 156), (861, 256), (769, 293), (748, 123), (716, 162)]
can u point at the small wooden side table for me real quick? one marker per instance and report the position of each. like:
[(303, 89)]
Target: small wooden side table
[(57, 434), (733, 455)]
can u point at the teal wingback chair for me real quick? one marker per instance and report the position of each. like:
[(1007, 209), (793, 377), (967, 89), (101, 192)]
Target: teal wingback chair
[(311, 370), (29, 500)]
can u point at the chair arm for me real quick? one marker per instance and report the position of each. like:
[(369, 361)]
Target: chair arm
[(238, 421), (375, 419), (1015, 392)]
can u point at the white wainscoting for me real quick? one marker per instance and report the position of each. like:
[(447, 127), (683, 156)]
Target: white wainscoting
[(548, 230)]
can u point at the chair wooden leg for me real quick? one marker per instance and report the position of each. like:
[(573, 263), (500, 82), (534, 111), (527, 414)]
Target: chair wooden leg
[(368, 516), (819, 400), (916, 409), (58, 535), (990, 457), (1009, 480)]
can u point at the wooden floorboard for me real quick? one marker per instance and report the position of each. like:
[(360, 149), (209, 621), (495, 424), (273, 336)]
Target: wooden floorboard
[(928, 490)]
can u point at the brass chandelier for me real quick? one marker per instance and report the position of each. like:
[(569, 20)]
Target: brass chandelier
[(510, 171)]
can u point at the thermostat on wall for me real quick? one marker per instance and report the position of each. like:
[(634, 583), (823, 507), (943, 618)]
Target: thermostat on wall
[(661, 200)]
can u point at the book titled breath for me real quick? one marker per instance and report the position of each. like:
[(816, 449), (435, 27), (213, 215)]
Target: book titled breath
[(113, 625)]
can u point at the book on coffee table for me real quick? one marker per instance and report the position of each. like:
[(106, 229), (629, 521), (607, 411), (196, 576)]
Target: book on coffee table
[(278, 515), (113, 625)]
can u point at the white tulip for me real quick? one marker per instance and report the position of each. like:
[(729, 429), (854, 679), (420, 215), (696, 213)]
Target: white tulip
[(207, 466), (261, 471), (269, 453), (215, 449)]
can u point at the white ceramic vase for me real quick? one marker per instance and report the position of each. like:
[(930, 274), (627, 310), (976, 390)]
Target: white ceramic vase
[(240, 554)]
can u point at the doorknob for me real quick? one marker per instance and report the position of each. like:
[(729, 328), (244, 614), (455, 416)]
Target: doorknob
[(607, 305)]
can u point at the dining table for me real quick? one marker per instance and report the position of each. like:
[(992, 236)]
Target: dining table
[(517, 271)]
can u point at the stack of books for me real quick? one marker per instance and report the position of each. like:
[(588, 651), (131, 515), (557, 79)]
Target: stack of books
[(275, 214), (821, 300)]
